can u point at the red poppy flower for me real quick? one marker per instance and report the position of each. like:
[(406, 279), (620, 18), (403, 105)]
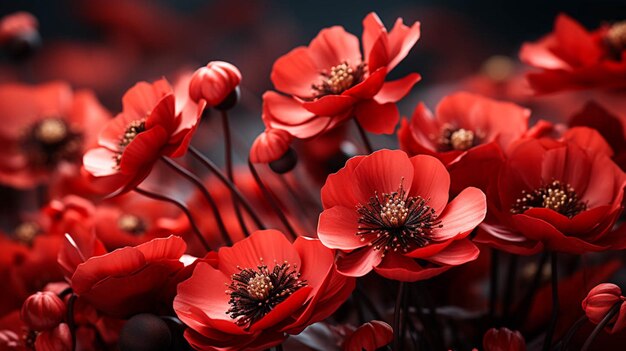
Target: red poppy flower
[(390, 213), (503, 339), (564, 195), (214, 82), (467, 133), (43, 311), (572, 57), (331, 80), (45, 127), (270, 146), (274, 288), (369, 337), (152, 124), (126, 281), (600, 301)]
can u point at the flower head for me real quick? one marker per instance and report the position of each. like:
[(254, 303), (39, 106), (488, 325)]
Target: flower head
[(214, 83), (390, 213), (602, 299), (262, 288)]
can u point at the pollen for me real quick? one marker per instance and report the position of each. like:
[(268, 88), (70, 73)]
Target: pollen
[(131, 132), (616, 38), (557, 196), (456, 139), (27, 231), (51, 131), (254, 292), (396, 222), (339, 79), (131, 224)]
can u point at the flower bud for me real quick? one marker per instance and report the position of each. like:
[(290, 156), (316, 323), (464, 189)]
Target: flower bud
[(270, 146), (600, 301), (370, 337), (19, 35), (216, 83), (43, 310), (503, 339), (57, 339)]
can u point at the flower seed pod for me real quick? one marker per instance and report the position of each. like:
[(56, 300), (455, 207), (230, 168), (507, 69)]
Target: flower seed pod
[(217, 83), (43, 311)]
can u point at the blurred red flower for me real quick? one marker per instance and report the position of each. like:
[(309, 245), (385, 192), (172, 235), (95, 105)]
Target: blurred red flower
[(274, 288), (152, 124), (572, 57), (503, 339), (126, 281), (43, 311), (369, 337), (467, 133), (390, 213), (564, 195), (600, 300), (43, 128), (331, 81)]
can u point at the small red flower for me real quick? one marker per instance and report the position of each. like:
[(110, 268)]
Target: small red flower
[(126, 281), (45, 127), (274, 288), (572, 57), (151, 125), (369, 337), (16, 24), (600, 300), (503, 339), (564, 195), (43, 310), (467, 133), (390, 213), (57, 339), (214, 82), (331, 80)]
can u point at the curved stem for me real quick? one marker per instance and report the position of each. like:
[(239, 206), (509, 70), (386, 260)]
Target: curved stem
[(493, 283), (70, 319), (229, 171), (213, 168), (183, 208), (363, 134), (198, 183), (572, 330), (396, 317), (555, 302), (609, 315), (270, 198)]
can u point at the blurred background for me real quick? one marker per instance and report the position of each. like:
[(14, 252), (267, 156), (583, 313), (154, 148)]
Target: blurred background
[(108, 45)]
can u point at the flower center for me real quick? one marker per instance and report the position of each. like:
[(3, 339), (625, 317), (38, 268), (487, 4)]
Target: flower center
[(616, 39), (456, 139), (557, 196), (26, 232), (255, 292), (396, 222), (131, 132), (339, 79), (51, 141), (131, 224)]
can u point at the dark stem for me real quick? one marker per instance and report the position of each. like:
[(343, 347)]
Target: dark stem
[(510, 286), (555, 302), (229, 171), (397, 341), (198, 183), (609, 315), (70, 319), (572, 330), (493, 283), (183, 208), (270, 198), (524, 306), (233, 189), (363, 134)]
